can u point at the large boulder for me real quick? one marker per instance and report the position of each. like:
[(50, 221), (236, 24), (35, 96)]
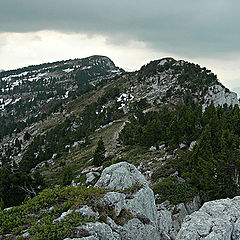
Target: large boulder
[(135, 210), (216, 220), (120, 176)]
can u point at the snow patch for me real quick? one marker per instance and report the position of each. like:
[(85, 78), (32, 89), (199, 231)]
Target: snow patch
[(68, 70)]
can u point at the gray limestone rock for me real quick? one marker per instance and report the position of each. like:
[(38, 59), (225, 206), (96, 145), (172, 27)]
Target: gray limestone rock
[(91, 176), (139, 203), (193, 143), (88, 212), (115, 199), (170, 217), (193, 205), (121, 176), (152, 149), (143, 205), (100, 231), (83, 238), (217, 219), (142, 219), (162, 147), (165, 222), (219, 96), (63, 216), (136, 229)]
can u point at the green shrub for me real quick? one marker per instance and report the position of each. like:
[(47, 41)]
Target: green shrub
[(173, 191), (36, 216)]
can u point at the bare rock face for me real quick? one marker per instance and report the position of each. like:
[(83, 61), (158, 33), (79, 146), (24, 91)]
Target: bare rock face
[(100, 231), (219, 219), (121, 176), (219, 95), (135, 214), (135, 209), (171, 217)]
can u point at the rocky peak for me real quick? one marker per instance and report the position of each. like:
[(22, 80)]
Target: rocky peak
[(170, 81)]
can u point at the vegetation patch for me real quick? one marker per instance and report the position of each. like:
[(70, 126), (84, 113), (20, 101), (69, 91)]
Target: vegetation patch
[(173, 191), (212, 164), (38, 214)]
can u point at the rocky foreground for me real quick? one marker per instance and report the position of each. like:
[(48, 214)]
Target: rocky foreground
[(121, 205), (138, 217)]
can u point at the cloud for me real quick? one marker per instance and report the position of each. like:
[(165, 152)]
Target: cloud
[(188, 28), (3, 41), (130, 32), (24, 49)]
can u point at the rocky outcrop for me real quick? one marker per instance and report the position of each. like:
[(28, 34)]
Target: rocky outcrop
[(121, 176), (134, 204), (193, 143), (171, 217), (133, 213), (91, 176), (220, 95), (219, 219), (99, 231)]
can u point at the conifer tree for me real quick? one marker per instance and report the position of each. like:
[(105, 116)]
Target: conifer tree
[(67, 176), (203, 166), (227, 165), (99, 155)]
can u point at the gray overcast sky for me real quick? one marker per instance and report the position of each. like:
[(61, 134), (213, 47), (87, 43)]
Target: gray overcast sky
[(203, 31)]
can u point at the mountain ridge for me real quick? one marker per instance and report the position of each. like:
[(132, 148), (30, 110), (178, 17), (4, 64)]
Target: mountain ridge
[(172, 120), (160, 82)]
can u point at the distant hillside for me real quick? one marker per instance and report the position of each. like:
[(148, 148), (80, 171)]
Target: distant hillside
[(32, 93), (79, 96)]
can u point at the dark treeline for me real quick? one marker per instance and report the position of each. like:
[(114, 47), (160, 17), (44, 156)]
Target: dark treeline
[(213, 165)]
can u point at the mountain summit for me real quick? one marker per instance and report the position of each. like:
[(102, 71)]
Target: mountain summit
[(170, 80)]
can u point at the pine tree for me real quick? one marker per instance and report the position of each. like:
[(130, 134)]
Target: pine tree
[(26, 136), (99, 155), (203, 166), (67, 176), (1, 203), (227, 165)]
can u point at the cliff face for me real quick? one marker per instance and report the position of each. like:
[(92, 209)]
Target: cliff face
[(220, 96)]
